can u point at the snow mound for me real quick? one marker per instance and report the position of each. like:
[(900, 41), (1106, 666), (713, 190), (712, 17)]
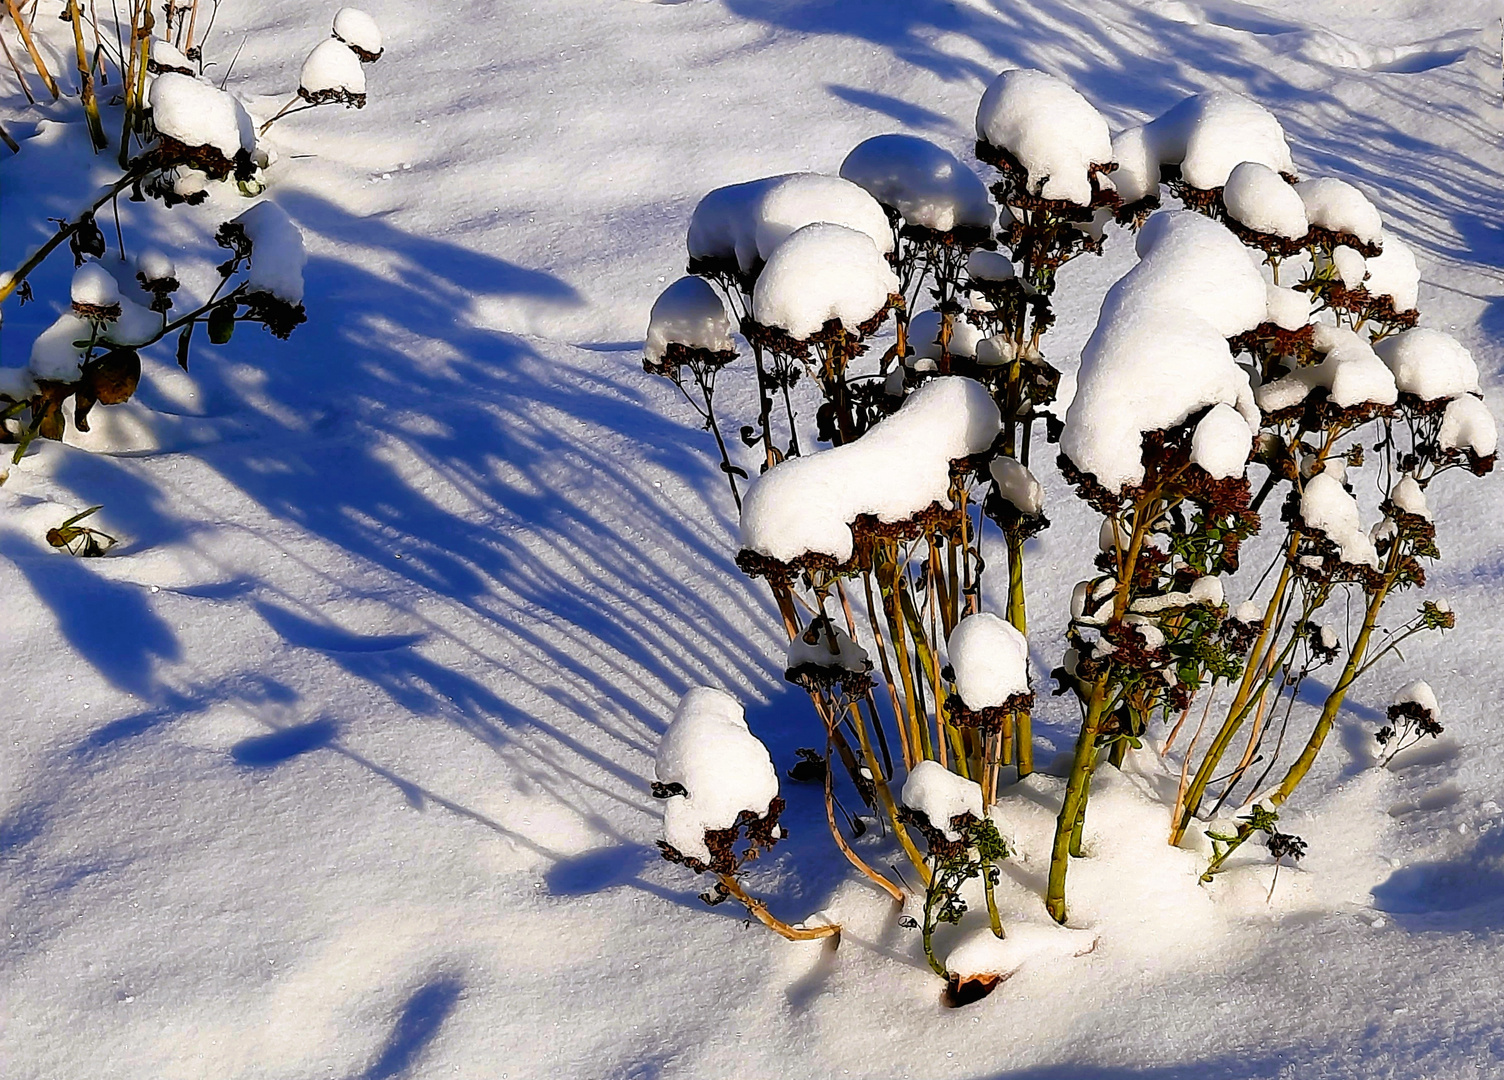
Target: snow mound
[(1393, 273), (1337, 205), (1468, 425), (1052, 131), (277, 252), (690, 313), (1210, 135), (1327, 506), (723, 767), (1351, 373), (196, 114), (1429, 364), (940, 795), (1159, 353), (823, 271), (807, 505), (1258, 197), (990, 659), (927, 185)]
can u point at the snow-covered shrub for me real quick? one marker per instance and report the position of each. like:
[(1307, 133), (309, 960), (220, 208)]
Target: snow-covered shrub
[(1269, 322), (181, 133)]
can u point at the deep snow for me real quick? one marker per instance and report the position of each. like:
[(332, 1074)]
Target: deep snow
[(338, 765)]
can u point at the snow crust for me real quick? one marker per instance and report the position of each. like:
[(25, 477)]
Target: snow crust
[(1337, 205), (721, 764), (807, 504), (927, 185), (1053, 132), (196, 114), (823, 271), (1209, 135), (940, 795), (1468, 425), (277, 252), (1258, 197), (1159, 352), (331, 65), (990, 659), (355, 27), (1329, 507), (690, 313), (1429, 363)]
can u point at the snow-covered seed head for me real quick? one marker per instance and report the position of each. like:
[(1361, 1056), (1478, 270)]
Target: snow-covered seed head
[(360, 32), (163, 56), (928, 187), (332, 73), (823, 273), (1054, 134), (201, 127), (990, 661), (688, 323), (94, 293)]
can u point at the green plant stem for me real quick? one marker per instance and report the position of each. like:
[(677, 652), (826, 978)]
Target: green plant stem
[(1074, 803), (86, 79)]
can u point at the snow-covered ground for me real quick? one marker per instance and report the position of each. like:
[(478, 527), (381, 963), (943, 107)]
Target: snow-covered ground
[(338, 765)]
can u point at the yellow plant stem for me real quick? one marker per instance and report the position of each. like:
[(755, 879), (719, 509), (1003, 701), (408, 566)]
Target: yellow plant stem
[(761, 913)]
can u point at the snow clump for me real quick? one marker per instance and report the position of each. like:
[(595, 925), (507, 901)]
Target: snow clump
[(1210, 135), (93, 287), (1393, 273), (823, 271), (1467, 425), (1222, 442), (722, 766), (812, 648), (1137, 174), (1429, 364), (1419, 693), (332, 72), (990, 659), (1288, 309), (1339, 207), (1018, 486), (689, 313), (1408, 498), (197, 115), (359, 31), (164, 56), (928, 186), (277, 253), (1352, 374), (924, 336), (807, 505), (1328, 507), (984, 265), (1049, 128), (1259, 198), (940, 795), (1159, 353)]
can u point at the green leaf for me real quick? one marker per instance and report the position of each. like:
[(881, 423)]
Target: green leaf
[(222, 324)]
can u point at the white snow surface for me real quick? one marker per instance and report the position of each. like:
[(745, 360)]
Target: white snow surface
[(928, 185), (724, 768), (1050, 128), (196, 113), (807, 504), (1259, 197), (823, 271), (691, 313), (1429, 363), (277, 252), (983, 953), (1288, 309), (355, 27), (940, 795), (991, 661), (1329, 507), (1339, 206), (1159, 352), (332, 65), (1209, 135), (331, 812)]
